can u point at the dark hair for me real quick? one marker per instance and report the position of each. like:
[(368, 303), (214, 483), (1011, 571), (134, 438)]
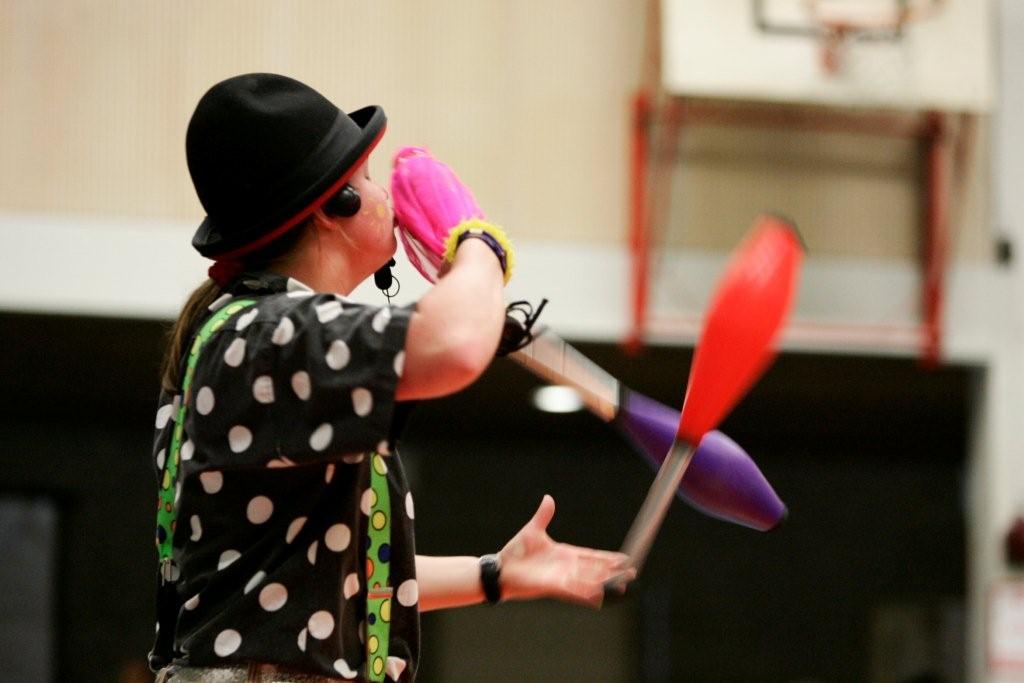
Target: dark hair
[(198, 303)]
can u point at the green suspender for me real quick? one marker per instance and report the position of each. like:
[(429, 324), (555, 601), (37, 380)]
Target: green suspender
[(378, 571), (378, 553), (167, 513)]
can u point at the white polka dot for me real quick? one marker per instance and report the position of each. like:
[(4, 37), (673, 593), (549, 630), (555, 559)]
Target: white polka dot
[(399, 363), (302, 640), (338, 355), (381, 320), (226, 558), (188, 449), (160, 457), (197, 527), (311, 553), (263, 389), (342, 667), (280, 462), (204, 401), (246, 318), (211, 481), (175, 571), (409, 511), (383, 448), (177, 492), (294, 285), (321, 624), (220, 301), (273, 596), (395, 667), (300, 384), (239, 438), (294, 528), (321, 437), (163, 415), (351, 585), (328, 311), (352, 458), (408, 593), (227, 642), (192, 602), (298, 295), (256, 580), (338, 537), (284, 332), (235, 353), (329, 472), (362, 401), (366, 502), (259, 510)]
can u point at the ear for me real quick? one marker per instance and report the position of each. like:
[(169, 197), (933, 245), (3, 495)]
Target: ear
[(322, 221)]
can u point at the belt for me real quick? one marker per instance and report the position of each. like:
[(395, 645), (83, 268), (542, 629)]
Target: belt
[(252, 673)]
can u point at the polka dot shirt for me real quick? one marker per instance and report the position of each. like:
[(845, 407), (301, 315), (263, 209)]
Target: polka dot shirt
[(290, 397)]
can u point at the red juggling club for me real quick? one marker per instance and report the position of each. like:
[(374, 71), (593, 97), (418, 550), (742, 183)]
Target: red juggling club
[(749, 307)]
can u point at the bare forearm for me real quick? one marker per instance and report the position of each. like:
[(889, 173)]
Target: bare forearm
[(455, 330), (448, 582)]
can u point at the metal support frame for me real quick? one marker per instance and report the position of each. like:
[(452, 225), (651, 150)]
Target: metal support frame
[(649, 191), (659, 128)]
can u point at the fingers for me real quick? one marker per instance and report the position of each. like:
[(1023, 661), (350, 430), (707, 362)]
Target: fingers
[(591, 593), (611, 556), (598, 569), (592, 574)]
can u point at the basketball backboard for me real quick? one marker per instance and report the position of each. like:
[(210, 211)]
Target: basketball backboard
[(903, 54)]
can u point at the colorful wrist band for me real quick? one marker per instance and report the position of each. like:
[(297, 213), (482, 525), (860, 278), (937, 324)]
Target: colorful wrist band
[(490, 572), (492, 236), (487, 239)]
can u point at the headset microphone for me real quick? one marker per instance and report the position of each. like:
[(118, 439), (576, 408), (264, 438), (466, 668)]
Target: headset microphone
[(383, 279)]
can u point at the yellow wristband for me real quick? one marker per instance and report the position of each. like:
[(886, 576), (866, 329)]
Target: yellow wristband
[(475, 225)]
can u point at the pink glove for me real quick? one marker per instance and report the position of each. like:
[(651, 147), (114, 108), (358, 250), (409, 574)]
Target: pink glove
[(432, 207)]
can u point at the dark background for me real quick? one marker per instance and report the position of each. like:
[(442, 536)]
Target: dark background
[(865, 581)]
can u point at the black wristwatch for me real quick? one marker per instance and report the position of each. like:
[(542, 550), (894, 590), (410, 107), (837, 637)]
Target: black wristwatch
[(490, 572)]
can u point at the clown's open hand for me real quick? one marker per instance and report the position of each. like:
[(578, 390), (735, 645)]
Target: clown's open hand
[(535, 566)]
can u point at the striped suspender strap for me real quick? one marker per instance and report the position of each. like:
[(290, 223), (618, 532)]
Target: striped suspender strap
[(167, 512)]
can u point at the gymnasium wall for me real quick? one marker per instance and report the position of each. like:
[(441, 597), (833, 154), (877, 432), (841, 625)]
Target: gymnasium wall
[(528, 100)]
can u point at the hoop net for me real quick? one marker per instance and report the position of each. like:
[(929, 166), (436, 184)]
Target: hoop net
[(864, 39)]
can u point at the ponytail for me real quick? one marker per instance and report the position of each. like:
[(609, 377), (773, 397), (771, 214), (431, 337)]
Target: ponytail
[(178, 335), (198, 304)]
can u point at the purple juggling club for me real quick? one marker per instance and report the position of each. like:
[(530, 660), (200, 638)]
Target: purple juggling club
[(721, 480)]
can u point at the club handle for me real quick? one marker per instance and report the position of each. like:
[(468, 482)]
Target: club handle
[(648, 520), (659, 497), (552, 358), (615, 589)]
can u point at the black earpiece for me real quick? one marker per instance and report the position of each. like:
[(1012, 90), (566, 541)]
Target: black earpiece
[(345, 204)]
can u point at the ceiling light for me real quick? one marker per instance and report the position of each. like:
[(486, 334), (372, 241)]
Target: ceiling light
[(557, 399)]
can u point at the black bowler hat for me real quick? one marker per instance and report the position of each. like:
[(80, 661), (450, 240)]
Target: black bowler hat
[(264, 152)]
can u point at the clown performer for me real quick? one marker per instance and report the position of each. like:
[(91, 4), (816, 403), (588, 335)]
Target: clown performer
[(285, 523)]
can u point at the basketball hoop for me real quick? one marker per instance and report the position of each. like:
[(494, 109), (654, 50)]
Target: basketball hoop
[(838, 23)]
